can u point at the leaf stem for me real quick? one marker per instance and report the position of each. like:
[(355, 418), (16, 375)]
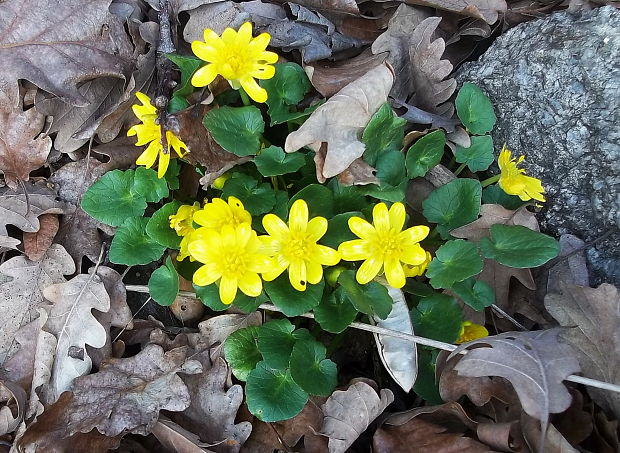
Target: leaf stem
[(489, 181), (244, 97), (460, 169)]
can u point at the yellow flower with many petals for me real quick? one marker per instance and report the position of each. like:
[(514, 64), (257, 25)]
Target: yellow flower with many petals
[(384, 245), (237, 57), (470, 332), (416, 271), (181, 222), (233, 257), (218, 213), (294, 247), (150, 132), (514, 181)]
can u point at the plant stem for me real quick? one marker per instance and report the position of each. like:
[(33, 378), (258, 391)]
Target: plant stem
[(244, 97), (460, 169), (491, 180)]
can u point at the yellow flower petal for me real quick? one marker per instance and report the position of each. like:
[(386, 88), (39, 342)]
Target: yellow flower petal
[(175, 143), (297, 275), (471, 331), (204, 76), (275, 270), (244, 35), (414, 234), (253, 89), (264, 72), (205, 51), (394, 273), (268, 57), (414, 255), (361, 228), (368, 270), (354, 250), (213, 39), (251, 284), (381, 217), (260, 43), (206, 275), (149, 155), (397, 215), (314, 272), (228, 289), (326, 255), (275, 226), (164, 161), (298, 216), (229, 37), (317, 227)]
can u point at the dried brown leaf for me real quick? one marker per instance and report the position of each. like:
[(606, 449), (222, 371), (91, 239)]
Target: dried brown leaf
[(349, 412), (214, 331), (487, 10), (36, 244), (22, 149), (594, 314), (12, 406), (177, 439), (341, 120), (491, 214)]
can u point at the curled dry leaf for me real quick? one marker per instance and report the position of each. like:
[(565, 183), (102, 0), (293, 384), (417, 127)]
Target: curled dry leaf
[(37, 243), (349, 412), (594, 315), (491, 214), (487, 10), (341, 120), (177, 439), (534, 362), (12, 406), (214, 331), (22, 149)]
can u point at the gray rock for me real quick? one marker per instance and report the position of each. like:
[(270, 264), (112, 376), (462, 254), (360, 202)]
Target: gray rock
[(555, 85)]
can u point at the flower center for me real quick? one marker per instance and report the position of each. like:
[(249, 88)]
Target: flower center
[(386, 245), (296, 246), (233, 67), (233, 263)]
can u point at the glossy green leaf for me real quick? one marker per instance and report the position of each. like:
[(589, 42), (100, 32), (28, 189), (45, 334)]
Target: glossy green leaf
[(335, 312), (187, 66), (241, 351), (425, 385), (387, 192), (113, 199), (438, 317), (158, 226), (276, 340), (164, 284), (291, 301), (147, 184), (272, 395), (347, 198), (479, 156), (172, 174), (256, 198), (274, 161), (286, 89), (384, 133), (390, 167), (132, 246), (453, 205), (210, 296), (475, 293), (338, 230), (425, 153), (474, 109), (494, 194), (454, 261), (319, 198), (372, 298), (518, 246), (236, 129), (310, 369)]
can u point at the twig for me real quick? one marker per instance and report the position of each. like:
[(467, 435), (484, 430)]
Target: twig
[(404, 336), (164, 69)]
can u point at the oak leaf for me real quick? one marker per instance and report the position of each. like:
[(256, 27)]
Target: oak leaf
[(341, 120), (37, 243), (487, 10)]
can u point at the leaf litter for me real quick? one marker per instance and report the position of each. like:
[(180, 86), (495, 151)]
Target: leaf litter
[(79, 373)]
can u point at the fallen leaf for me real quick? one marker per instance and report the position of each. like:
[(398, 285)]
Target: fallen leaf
[(487, 10), (213, 331), (19, 367), (416, 58), (415, 115), (491, 214), (594, 314), (399, 357), (551, 442), (341, 120), (498, 277), (22, 149), (219, 15), (119, 313), (349, 412), (11, 396), (23, 294), (338, 6), (177, 439), (534, 362), (37, 243), (90, 43)]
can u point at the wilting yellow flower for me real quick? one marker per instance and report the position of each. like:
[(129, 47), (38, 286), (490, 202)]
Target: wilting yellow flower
[(294, 247), (181, 222), (416, 271), (233, 257), (237, 57), (514, 181), (384, 246), (218, 183), (150, 132), (470, 331), (218, 213)]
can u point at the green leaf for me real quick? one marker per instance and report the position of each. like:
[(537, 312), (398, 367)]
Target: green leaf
[(281, 207), (172, 174), (272, 395), (286, 89), (390, 167), (475, 293), (256, 198), (338, 230), (249, 304), (453, 205), (241, 351), (494, 194), (164, 284), (319, 198), (291, 301), (147, 184), (274, 161), (310, 369), (418, 288), (335, 312), (276, 340), (384, 132), (187, 66), (131, 245), (438, 317), (425, 385), (479, 156), (236, 129), (112, 199), (454, 262), (387, 192), (474, 109), (372, 298), (425, 153), (347, 198), (518, 246), (158, 226), (210, 296)]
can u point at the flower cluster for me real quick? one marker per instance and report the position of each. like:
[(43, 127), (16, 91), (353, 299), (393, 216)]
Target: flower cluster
[(235, 257)]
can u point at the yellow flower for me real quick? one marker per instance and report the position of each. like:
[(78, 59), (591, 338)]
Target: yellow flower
[(471, 331), (218, 183), (218, 213), (150, 131), (181, 222), (383, 245), (233, 257), (294, 247), (514, 181), (416, 271), (237, 57)]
